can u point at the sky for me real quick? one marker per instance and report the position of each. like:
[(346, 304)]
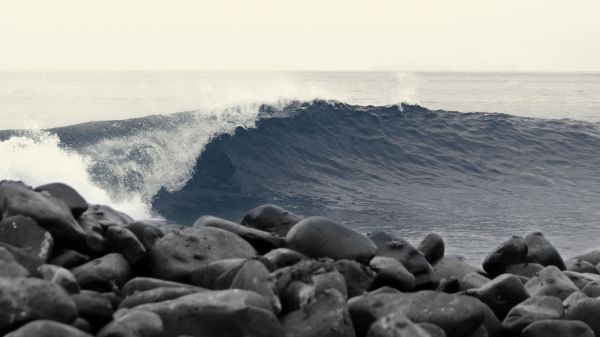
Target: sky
[(339, 35)]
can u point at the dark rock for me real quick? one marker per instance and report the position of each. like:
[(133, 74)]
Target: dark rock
[(533, 309), (449, 285), (502, 294), (155, 295), (301, 283), (94, 233), (409, 256), (454, 266), (254, 276), (49, 212), (550, 281), (9, 267), (473, 280), (26, 299), (573, 299), (390, 272), (492, 325), (321, 237), (582, 279), (148, 232), (432, 329), (25, 234), (271, 218), (122, 240), (592, 257), (396, 325), (82, 324), (512, 251), (524, 269), (104, 273), (359, 278), (106, 216), (586, 310), (113, 298), (61, 276), (327, 315), (177, 254), (223, 313), (432, 247), (45, 328), (580, 266), (262, 241), (457, 315), (94, 308), (68, 195), (283, 257), (68, 258), (30, 262), (545, 328), (207, 275), (134, 324), (140, 284), (592, 289), (540, 250)]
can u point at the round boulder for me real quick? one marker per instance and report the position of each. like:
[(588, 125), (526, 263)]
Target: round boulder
[(271, 218)]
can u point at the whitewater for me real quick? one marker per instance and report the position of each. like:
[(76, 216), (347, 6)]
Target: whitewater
[(476, 157)]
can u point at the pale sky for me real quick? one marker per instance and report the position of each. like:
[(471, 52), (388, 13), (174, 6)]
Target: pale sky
[(452, 35)]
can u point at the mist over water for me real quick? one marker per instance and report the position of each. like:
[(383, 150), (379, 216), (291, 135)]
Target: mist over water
[(220, 143)]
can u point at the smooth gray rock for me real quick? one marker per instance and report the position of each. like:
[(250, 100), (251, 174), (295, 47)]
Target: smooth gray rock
[(397, 325), (254, 276), (46, 328), (68, 195), (107, 216), (582, 279), (95, 308), (147, 231), (156, 295), (550, 281), (271, 218), (540, 250), (104, 273), (546, 328), (322, 237), (9, 266), (140, 284), (502, 294), (432, 247), (533, 309), (452, 265), (359, 277), (284, 257), (61, 276), (25, 234), (134, 324), (122, 240), (580, 266), (586, 310), (473, 280), (592, 257), (512, 251), (68, 258), (176, 255), (390, 272), (524, 269), (208, 275)]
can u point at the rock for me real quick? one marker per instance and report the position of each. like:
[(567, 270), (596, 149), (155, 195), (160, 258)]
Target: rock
[(82, 324), (45, 328), (114, 299), (68, 258), (94, 308), (586, 310), (524, 269), (271, 218), (223, 313), (134, 324), (592, 289), (25, 234), (177, 254), (580, 266), (533, 309), (432, 247), (592, 257), (512, 251), (582, 279), (390, 272), (449, 285), (254, 276), (457, 315), (432, 329), (283, 257), (359, 278), (68, 195), (207, 275), (327, 315), (94, 233), (104, 273), (550, 281), (26, 299), (47, 211), (262, 241), (540, 250), (156, 295), (454, 266), (122, 240), (560, 328), (140, 284), (409, 256), (61, 276), (147, 232), (396, 325), (573, 299), (106, 216), (321, 237), (301, 283), (502, 294), (473, 280), (9, 267)]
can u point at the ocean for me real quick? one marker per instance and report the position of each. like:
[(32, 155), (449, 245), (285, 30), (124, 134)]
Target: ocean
[(476, 157)]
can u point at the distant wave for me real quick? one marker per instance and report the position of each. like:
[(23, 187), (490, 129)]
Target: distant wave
[(398, 166)]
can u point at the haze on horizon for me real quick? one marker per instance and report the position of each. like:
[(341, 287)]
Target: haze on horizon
[(459, 35)]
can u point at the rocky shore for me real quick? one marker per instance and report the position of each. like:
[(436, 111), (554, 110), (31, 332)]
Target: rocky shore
[(70, 269)]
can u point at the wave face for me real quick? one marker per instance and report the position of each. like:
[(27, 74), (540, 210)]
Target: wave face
[(475, 178)]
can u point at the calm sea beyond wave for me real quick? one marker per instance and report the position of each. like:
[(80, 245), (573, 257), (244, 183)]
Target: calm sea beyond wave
[(475, 157)]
